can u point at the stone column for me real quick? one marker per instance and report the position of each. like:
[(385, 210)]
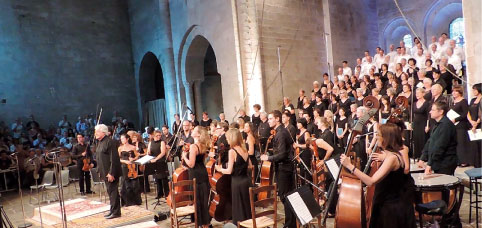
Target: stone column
[(473, 41), (189, 97), (197, 98)]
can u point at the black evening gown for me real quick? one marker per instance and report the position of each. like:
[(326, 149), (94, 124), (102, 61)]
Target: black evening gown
[(240, 183), (420, 116), (131, 190), (393, 201), (342, 123), (305, 156), (475, 146), (202, 189), (464, 155)]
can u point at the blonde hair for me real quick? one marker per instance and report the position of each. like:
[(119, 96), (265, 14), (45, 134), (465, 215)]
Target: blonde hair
[(204, 139), (235, 138)]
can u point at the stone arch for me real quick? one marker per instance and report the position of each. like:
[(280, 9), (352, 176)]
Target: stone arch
[(395, 30), (200, 76), (439, 16), (151, 80)]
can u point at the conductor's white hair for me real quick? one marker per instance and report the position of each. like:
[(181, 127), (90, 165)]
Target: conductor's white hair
[(102, 128)]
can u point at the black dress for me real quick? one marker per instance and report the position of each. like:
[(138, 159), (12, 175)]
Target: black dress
[(464, 154), (240, 183), (342, 123), (253, 158), (256, 121), (346, 105), (202, 189), (305, 155), (393, 201), (475, 146), (420, 116), (130, 191)]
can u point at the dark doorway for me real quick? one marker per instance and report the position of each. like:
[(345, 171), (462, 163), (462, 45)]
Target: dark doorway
[(151, 90)]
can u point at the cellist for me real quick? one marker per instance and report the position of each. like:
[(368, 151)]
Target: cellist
[(394, 194), (283, 154)]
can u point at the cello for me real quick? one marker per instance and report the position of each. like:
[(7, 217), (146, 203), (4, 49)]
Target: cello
[(351, 204), (220, 206), (180, 174), (210, 164), (132, 169), (266, 172)]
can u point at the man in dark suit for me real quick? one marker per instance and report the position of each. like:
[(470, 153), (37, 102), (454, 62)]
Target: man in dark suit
[(109, 167)]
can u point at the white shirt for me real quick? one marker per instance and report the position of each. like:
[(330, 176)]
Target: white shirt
[(460, 52), (436, 56), (392, 55), (379, 61), (405, 68), (341, 77), (406, 57), (391, 66), (365, 69), (347, 71), (420, 61), (456, 62)]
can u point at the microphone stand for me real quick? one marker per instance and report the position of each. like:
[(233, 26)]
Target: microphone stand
[(25, 224), (60, 187)]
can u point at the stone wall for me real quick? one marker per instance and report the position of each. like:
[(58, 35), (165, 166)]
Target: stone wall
[(65, 57)]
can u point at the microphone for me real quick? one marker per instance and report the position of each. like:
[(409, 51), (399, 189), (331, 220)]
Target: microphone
[(359, 136)]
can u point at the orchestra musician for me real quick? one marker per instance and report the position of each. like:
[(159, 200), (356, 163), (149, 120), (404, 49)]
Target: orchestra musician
[(157, 149), (251, 146), (109, 167), (305, 153), (283, 154), (130, 191), (222, 143), (237, 166), (195, 162), (394, 193), (80, 152)]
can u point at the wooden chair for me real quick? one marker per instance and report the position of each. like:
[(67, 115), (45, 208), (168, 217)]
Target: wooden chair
[(184, 208), (261, 219)]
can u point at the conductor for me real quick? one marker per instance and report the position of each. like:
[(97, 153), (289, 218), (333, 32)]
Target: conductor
[(109, 167)]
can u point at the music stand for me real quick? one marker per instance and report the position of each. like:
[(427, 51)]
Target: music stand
[(303, 204)]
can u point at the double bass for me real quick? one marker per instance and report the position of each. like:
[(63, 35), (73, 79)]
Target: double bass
[(180, 174), (351, 204), (266, 172), (220, 207)]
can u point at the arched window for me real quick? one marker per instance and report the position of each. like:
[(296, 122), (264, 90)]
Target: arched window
[(456, 31), (407, 39)]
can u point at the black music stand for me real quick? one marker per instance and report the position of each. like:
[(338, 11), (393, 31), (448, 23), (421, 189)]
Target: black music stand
[(302, 202)]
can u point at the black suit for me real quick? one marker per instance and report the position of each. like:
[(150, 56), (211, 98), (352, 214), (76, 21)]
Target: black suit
[(283, 153), (108, 162)]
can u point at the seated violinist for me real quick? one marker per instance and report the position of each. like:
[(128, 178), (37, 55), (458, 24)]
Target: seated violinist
[(394, 193)]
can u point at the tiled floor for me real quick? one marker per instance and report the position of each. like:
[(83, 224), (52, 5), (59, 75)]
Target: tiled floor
[(13, 207)]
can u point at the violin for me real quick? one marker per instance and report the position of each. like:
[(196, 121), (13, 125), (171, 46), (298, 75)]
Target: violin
[(86, 164), (266, 172), (132, 173)]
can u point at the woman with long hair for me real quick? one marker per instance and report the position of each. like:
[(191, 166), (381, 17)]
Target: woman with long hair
[(130, 191), (252, 146), (194, 159), (394, 194), (237, 167)]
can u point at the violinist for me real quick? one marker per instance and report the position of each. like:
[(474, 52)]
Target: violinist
[(157, 149), (141, 149), (283, 154), (194, 159), (80, 152), (130, 191), (240, 179), (394, 194), (286, 122)]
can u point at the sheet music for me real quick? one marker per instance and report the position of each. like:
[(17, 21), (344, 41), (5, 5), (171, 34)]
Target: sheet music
[(451, 114), (475, 136), (144, 160), (300, 208), (333, 168)]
